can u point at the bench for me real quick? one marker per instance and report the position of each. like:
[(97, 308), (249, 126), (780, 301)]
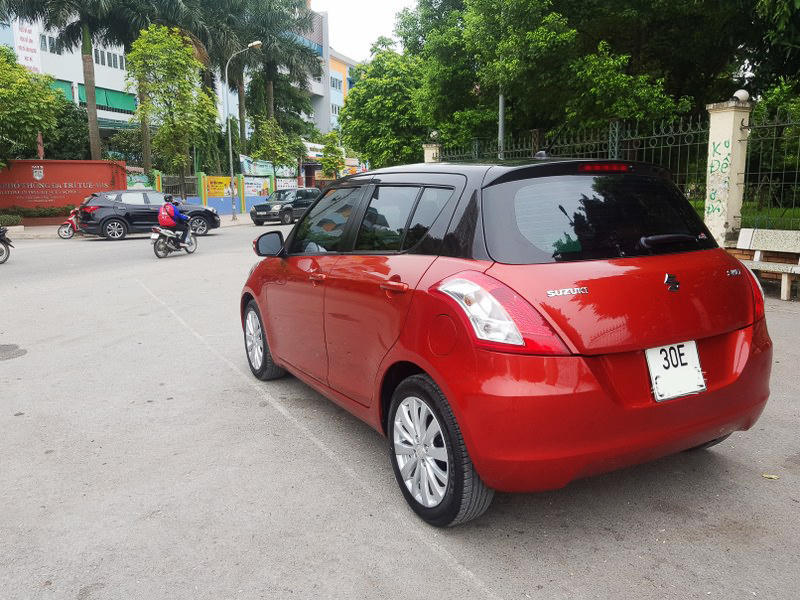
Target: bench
[(772, 240)]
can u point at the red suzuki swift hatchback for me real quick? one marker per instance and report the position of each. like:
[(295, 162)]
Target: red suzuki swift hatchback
[(512, 328)]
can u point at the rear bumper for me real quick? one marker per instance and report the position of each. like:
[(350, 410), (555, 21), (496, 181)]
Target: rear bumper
[(538, 423)]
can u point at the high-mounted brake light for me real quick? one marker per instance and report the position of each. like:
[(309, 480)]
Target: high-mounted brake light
[(604, 167), (758, 295), (500, 318)]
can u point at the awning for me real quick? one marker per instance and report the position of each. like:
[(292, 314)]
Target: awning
[(120, 100), (65, 87), (99, 95)]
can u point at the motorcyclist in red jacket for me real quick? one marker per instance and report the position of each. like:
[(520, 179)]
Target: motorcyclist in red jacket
[(171, 217)]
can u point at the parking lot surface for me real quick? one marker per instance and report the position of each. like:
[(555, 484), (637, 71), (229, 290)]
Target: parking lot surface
[(139, 459)]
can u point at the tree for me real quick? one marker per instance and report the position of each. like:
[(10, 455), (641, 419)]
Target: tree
[(271, 143), (332, 155), (28, 105), (80, 23), (163, 60), (379, 118), (69, 140)]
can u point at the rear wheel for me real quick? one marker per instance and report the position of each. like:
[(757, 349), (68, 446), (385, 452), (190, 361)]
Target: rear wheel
[(287, 218), (708, 444), (199, 225), (5, 252), (160, 247), (66, 231), (429, 457), (255, 344), (114, 229)]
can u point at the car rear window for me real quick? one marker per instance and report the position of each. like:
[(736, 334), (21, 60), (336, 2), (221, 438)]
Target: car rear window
[(585, 217)]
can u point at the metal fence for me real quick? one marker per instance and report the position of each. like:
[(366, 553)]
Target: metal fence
[(772, 173), (680, 145), (171, 184)]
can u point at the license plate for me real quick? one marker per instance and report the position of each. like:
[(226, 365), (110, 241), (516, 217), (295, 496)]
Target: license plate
[(260, 212), (153, 236), (675, 371)]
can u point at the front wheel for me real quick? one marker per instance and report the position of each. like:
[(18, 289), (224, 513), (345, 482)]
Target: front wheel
[(255, 344), (66, 231), (199, 225), (429, 457), (5, 252), (287, 218), (160, 247), (191, 244)]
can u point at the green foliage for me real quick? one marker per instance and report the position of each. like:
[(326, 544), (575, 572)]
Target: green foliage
[(605, 91), (379, 119), (10, 220), (163, 65), (70, 138), (271, 143), (28, 105), (39, 211), (332, 155)]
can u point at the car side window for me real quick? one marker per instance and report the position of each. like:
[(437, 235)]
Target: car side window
[(428, 208), (131, 198), (322, 226), (155, 198), (386, 218)]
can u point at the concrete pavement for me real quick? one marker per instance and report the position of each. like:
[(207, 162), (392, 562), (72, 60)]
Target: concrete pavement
[(139, 459)]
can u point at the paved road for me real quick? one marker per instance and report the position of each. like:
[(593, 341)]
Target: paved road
[(139, 459)]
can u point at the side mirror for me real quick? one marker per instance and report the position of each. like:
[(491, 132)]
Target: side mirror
[(269, 244)]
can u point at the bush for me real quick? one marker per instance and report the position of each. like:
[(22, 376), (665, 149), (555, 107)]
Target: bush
[(39, 211), (10, 220)]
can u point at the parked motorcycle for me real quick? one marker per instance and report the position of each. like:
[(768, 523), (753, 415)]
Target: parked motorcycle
[(166, 241), (5, 245), (68, 228)]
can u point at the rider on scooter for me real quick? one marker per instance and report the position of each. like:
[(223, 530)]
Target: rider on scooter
[(170, 216)]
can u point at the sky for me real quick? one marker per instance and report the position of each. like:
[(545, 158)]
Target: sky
[(353, 25)]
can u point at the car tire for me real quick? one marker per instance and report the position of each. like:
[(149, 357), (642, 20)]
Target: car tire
[(287, 218), (449, 488), (708, 444), (256, 347), (199, 225), (114, 229)]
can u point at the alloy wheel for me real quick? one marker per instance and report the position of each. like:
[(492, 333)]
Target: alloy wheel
[(199, 226), (254, 340), (420, 451), (115, 230)]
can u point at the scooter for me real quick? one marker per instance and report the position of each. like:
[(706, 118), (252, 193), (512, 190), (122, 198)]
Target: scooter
[(166, 241), (5, 245), (68, 228)]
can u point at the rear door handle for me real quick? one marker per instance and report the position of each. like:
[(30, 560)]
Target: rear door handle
[(317, 278), (394, 286)]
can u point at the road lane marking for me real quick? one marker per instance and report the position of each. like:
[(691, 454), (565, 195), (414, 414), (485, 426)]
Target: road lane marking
[(445, 555)]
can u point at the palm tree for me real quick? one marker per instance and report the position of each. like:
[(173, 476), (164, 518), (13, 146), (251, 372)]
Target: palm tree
[(80, 23), (278, 25)]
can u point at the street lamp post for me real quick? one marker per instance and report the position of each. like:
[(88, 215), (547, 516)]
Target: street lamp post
[(256, 44)]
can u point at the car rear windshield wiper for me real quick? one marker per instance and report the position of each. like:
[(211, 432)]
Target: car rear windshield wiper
[(649, 241)]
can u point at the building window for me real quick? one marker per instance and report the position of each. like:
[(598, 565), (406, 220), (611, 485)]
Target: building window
[(102, 58), (96, 56), (114, 60), (42, 42), (336, 84), (335, 109), (122, 62)]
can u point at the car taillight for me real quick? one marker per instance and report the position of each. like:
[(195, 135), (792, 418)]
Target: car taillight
[(89, 209), (758, 295), (603, 167), (500, 318)]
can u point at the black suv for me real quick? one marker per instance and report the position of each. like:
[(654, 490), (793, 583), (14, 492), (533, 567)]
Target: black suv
[(284, 206), (115, 214)]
